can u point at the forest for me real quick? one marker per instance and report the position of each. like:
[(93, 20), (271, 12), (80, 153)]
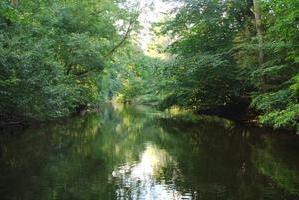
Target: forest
[(236, 59)]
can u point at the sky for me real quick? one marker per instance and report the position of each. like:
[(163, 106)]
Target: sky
[(151, 11)]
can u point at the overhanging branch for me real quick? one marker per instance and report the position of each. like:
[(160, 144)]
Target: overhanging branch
[(126, 36)]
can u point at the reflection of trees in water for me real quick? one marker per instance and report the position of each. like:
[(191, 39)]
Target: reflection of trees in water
[(275, 160), (54, 162), (224, 166), (73, 160), (82, 159)]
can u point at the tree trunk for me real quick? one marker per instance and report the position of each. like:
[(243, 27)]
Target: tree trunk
[(259, 31), (14, 3)]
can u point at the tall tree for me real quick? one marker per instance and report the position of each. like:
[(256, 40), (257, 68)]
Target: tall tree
[(259, 30)]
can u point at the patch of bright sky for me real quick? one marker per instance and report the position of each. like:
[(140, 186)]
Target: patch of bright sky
[(152, 11)]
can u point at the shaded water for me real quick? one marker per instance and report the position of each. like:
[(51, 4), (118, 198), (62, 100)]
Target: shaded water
[(133, 153)]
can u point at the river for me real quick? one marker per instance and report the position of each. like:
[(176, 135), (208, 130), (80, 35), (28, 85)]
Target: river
[(136, 152)]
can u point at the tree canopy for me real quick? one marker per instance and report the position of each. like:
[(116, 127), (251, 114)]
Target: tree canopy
[(57, 57)]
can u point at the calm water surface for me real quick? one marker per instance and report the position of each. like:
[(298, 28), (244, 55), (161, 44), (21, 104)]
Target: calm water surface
[(136, 153)]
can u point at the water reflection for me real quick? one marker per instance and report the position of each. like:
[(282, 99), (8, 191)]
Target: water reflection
[(142, 180), (138, 153), (278, 161)]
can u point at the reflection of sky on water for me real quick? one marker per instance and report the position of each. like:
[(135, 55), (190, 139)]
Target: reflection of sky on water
[(139, 180)]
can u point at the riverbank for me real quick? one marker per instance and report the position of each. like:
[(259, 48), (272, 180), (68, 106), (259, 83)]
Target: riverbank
[(245, 117), (242, 116), (25, 123)]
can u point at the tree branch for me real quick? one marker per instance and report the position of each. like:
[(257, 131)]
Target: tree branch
[(126, 36)]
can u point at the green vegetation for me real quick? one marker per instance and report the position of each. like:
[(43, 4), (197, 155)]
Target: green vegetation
[(52, 54), (233, 55), (210, 56), (228, 51)]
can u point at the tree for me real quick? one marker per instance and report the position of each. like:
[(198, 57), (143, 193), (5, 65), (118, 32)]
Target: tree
[(217, 45), (52, 55), (259, 32)]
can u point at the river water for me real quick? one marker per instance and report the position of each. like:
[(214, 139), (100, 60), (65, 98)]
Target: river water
[(126, 152)]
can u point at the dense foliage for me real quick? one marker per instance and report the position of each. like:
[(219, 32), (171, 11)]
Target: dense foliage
[(52, 54), (211, 56), (228, 52)]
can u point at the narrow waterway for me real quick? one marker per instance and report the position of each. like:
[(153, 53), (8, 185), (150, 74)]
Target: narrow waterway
[(138, 153)]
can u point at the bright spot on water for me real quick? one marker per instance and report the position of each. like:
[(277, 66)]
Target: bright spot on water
[(142, 181)]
